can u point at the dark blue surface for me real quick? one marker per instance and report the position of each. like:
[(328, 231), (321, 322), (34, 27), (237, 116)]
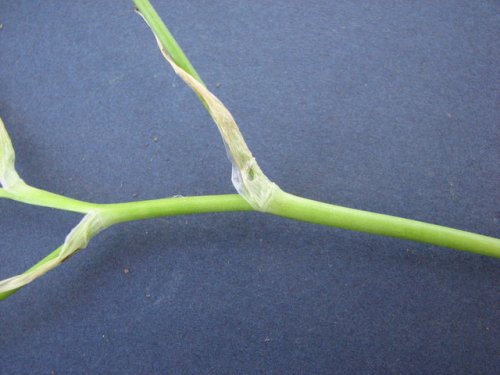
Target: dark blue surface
[(379, 105)]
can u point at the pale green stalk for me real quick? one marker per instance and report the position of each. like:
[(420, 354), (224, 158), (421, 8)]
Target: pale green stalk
[(298, 208), (288, 205), (302, 209), (32, 195), (293, 207), (110, 214), (101, 216)]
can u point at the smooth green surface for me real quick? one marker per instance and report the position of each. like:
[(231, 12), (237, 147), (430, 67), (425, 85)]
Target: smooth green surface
[(32, 195), (298, 208), (123, 212)]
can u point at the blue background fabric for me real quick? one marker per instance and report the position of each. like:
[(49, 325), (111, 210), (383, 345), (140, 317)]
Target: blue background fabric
[(387, 106)]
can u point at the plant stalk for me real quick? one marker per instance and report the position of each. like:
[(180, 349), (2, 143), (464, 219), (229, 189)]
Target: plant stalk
[(282, 204)]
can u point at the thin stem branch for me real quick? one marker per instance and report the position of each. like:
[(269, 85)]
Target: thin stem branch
[(122, 212), (149, 14), (283, 204), (39, 197)]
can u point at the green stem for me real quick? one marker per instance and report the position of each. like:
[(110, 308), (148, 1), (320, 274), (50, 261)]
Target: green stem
[(302, 209), (167, 40), (115, 213), (283, 204), (32, 195), (288, 205), (122, 212), (298, 208)]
